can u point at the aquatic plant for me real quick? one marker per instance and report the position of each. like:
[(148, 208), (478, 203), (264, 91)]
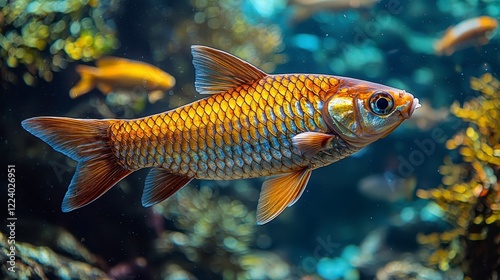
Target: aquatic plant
[(43, 36), (469, 194), (408, 270), (32, 262), (215, 233)]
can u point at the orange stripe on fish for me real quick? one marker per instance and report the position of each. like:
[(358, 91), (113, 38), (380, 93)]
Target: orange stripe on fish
[(472, 31), (253, 124)]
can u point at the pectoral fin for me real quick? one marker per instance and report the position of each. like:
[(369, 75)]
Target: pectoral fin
[(311, 143), (280, 192), (160, 185)]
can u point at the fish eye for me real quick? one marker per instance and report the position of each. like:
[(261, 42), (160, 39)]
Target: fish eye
[(381, 103)]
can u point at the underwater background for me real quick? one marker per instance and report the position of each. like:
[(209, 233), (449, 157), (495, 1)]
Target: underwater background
[(422, 203)]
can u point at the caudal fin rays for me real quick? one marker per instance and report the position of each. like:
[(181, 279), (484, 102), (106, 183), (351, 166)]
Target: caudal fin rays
[(85, 141)]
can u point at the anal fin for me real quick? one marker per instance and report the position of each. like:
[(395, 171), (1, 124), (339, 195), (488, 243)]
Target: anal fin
[(280, 192), (160, 185)]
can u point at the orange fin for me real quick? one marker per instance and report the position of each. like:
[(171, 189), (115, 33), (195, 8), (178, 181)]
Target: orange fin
[(87, 80), (104, 88), (280, 192), (87, 142), (160, 185), (218, 71), (311, 143)]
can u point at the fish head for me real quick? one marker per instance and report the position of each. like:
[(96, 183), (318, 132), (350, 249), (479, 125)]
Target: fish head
[(487, 23), (361, 112), (160, 80)]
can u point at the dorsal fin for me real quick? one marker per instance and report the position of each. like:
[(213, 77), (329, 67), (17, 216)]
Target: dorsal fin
[(218, 71)]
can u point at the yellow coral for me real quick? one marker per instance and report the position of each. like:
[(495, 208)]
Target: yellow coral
[(470, 192)]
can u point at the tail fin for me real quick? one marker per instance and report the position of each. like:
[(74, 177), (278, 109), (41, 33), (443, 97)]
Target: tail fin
[(86, 83), (87, 142)]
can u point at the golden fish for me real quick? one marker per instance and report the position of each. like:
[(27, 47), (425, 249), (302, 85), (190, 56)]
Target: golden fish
[(114, 72), (468, 32), (253, 124)]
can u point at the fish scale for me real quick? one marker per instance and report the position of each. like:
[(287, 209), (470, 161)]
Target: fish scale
[(245, 132)]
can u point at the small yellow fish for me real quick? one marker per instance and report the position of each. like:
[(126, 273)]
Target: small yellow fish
[(253, 124), (114, 72), (473, 31)]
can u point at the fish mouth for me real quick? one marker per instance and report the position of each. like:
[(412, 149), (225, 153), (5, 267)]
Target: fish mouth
[(410, 109)]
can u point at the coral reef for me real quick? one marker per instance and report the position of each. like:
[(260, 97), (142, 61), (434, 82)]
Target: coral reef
[(44, 35), (210, 236), (215, 237), (62, 242), (32, 262), (469, 195)]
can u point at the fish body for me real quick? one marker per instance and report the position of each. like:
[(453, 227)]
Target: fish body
[(242, 133), (252, 125), (472, 31), (113, 72)]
